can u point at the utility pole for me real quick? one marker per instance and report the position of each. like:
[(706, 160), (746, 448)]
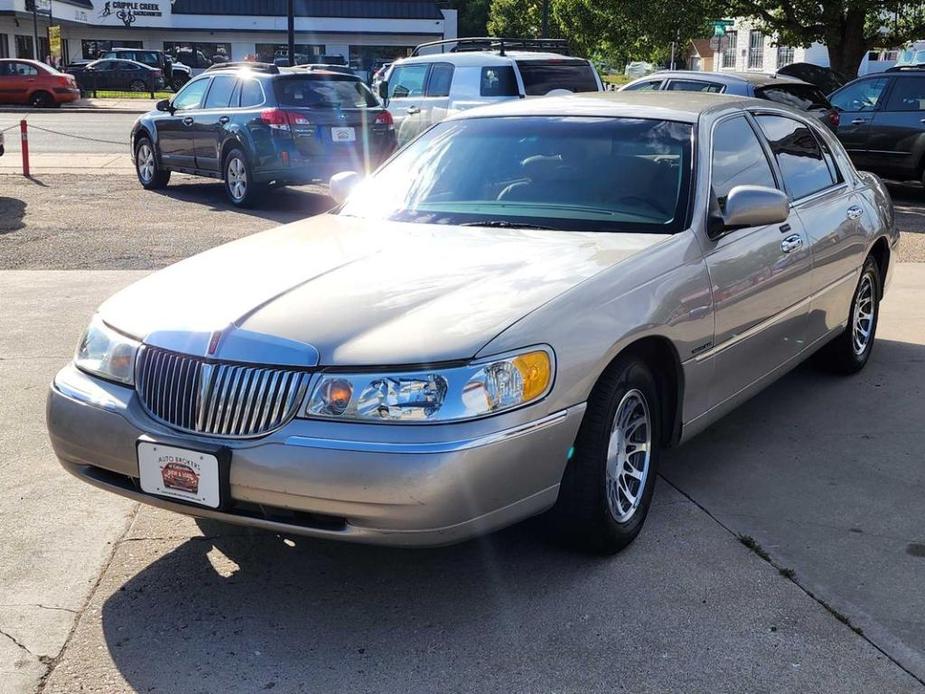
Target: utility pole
[(35, 30), (545, 19), (291, 31)]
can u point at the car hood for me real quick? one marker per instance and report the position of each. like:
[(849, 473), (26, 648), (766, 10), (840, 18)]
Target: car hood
[(336, 290)]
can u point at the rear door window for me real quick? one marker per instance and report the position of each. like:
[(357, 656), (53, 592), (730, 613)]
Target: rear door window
[(908, 95), (498, 80), (323, 91), (803, 97), (798, 154), (542, 77), (695, 86), (440, 80), (407, 80), (251, 94), (220, 92)]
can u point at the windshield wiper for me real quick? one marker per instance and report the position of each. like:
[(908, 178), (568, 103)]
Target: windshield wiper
[(501, 224)]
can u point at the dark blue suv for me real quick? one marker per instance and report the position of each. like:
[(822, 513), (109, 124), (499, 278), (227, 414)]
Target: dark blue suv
[(254, 125)]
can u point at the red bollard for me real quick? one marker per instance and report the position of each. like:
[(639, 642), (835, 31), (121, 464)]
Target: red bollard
[(24, 131)]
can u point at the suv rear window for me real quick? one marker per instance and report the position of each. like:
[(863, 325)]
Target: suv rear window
[(541, 77), (323, 91), (498, 80), (800, 96)]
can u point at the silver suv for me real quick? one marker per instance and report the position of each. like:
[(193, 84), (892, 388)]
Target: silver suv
[(427, 87)]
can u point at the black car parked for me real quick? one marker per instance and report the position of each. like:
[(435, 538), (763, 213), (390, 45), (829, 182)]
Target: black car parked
[(117, 75), (883, 123), (254, 125), (151, 58)]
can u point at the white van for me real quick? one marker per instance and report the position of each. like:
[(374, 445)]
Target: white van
[(428, 86)]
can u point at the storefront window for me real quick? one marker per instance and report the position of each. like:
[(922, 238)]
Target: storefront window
[(304, 52), (198, 55), (4, 46), (24, 47), (94, 48)]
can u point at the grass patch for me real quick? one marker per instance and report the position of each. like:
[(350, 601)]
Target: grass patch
[(105, 94), (753, 545), (617, 80)]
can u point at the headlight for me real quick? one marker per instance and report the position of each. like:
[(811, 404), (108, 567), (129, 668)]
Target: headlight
[(435, 395), (104, 352)]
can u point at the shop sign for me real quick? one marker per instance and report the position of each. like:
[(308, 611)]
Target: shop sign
[(130, 12)]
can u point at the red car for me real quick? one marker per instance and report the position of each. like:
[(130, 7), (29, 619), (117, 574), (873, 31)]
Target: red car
[(34, 83), (181, 477)]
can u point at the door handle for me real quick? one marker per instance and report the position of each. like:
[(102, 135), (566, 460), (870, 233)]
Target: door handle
[(223, 120), (188, 120), (859, 121), (412, 110), (855, 212), (791, 243)]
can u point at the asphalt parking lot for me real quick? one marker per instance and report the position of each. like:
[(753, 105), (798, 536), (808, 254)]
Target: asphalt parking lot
[(785, 550)]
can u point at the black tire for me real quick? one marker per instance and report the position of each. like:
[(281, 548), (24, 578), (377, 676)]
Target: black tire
[(237, 174), (584, 516), (138, 86), (42, 100), (846, 354), (150, 175)]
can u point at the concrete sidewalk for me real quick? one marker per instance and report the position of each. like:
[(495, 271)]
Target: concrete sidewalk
[(91, 106), (83, 163), (99, 594)]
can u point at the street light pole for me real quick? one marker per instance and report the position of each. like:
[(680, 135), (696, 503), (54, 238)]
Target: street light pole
[(291, 31), (545, 19), (35, 30)]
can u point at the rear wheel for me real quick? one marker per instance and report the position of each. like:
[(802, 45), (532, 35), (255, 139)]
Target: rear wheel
[(240, 187), (849, 352), (607, 487), (42, 100), (138, 86), (149, 175)]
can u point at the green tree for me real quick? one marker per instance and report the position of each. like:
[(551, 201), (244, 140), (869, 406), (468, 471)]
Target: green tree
[(521, 18), (473, 16), (848, 28)]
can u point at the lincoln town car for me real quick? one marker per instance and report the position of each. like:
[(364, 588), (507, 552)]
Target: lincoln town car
[(512, 317)]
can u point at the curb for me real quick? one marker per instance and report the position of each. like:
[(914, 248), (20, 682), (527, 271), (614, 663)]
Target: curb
[(77, 109)]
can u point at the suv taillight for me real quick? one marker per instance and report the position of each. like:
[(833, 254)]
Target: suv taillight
[(283, 121), (834, 117), (385, 118)]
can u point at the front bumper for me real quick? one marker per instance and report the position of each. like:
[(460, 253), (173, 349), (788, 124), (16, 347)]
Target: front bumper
[(383, 484)]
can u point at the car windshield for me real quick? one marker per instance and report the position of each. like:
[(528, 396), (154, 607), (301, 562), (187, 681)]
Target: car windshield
[(323, 91), (553, 172)]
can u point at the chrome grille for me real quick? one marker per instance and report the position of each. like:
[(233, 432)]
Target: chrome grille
[(217, 399)]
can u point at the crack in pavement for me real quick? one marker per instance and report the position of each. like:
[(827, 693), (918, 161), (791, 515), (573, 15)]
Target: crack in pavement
[(16, 641), (44, 607)]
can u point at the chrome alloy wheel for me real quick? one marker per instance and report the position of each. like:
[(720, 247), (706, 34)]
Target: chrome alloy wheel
[(237, 178), (628, 456), (144, 160), (862, 322)]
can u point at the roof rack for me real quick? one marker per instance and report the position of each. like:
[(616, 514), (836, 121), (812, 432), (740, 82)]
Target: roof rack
[(256, 67), (496, 43), (905, 68)]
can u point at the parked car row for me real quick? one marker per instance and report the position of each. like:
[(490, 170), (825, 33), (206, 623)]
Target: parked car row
[(112, 74)]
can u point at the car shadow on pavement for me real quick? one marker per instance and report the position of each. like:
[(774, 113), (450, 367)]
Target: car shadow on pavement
[(282, 205), (12, 212)]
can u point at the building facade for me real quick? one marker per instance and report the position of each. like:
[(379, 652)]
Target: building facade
[(362, 32)]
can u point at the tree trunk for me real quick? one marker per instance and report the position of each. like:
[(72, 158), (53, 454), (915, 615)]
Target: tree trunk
[(846, 43)]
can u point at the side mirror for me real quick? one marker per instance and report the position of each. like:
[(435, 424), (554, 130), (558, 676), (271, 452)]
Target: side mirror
[(751, 206), (342, 184), (384, 90), (164, 105)]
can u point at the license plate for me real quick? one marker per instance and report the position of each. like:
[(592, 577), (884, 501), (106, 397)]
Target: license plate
[(179, 473), (344, 134)]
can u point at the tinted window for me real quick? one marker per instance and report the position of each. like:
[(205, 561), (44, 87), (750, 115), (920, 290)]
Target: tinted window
[(799, 96), (18, 69), (251, 94), (498, 81), (798, 155), (587, 174), (407, 80), (738, 158), (540, 78), (190, 96), (694, 86), (908, 95), (220, 92), (650, 86), (148, 58), (863, 95), (441, 77), (323, 91)]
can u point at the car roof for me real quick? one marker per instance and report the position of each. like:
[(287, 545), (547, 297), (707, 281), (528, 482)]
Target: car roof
[(758, 79), (120, 60), (485, 58), (686, 107)]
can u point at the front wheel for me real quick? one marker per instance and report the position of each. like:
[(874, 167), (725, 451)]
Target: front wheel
[(149, 175), (240, 187), (608, 484), (849, 352)]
